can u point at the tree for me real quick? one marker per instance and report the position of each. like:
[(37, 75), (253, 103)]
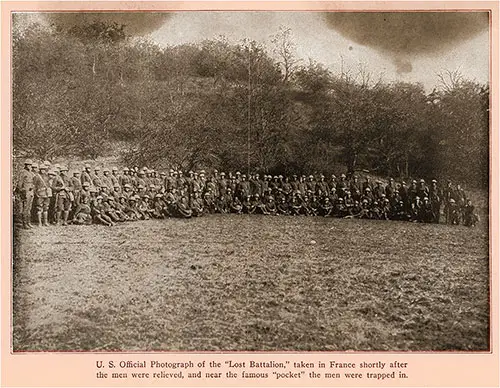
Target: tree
[(284, 49)]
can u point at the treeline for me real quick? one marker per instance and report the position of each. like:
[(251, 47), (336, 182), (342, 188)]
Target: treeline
[(82, 91)]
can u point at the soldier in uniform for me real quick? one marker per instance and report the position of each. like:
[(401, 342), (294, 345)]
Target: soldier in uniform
[(43, 193), (367, 183), (76, 187), (106, 179), (56, 185), (390, 190), (378, 190), (435, 200), (354, 185), (422, 190), (86, 175), (283, 207), (64, 197), (311, 184), (295, 183), (470, 217), (140, 181), (98, 212), (243, 188), (248, 206), (326, 207), (322, 187), (83, 212), (117, 191), (124, 178), (96, 178), (197, 205), (341, 186), (25, 191)]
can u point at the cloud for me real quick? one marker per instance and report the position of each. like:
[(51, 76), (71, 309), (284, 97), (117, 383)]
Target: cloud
[(404, 36), (136, 23)]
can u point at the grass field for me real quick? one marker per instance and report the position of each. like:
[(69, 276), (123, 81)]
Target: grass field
[(252, 283)]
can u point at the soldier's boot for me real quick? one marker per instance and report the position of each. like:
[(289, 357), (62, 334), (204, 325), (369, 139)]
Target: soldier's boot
[(39, 218), (28, 221), (45, 219), (65, 217), (58, 217)]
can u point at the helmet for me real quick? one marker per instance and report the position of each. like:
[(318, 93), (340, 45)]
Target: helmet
[(28, 162)]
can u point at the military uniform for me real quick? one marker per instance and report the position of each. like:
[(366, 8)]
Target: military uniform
[(64, 197), (25, 189), (43, 194)]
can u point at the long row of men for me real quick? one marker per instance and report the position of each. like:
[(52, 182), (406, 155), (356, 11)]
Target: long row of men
[(49, 194)]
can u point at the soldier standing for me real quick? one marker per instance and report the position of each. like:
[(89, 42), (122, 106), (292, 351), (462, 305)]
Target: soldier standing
[(76, 188), (64, 197), (435, 199), (25, 187), (96, 178), (85, 177), (42, 188)]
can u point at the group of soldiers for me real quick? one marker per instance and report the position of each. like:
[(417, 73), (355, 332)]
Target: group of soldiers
[(50, 194)]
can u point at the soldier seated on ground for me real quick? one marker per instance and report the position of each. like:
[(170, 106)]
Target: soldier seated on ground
[(260, 208), (340, 208), (454, 212), (143, 207), (248, 205), (271, 205), (120, 207), (197, 205), (183, 208), (159, 206), (325, 207), (97, 214), (470, 217), (305, 208), (365, 210), (209, 201), (83, 213), (296, 205), (375, 211), (385, 209), (283, 208), (132, 211), (236, 207), (426, 213)]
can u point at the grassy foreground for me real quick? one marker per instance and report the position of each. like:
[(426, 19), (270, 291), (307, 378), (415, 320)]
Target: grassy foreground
[(252, 283)]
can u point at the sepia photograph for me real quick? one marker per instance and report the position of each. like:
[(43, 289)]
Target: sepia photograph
[(262, 181)]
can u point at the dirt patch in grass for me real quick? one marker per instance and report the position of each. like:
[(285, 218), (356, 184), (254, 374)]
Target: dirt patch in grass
[(252, 283)]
